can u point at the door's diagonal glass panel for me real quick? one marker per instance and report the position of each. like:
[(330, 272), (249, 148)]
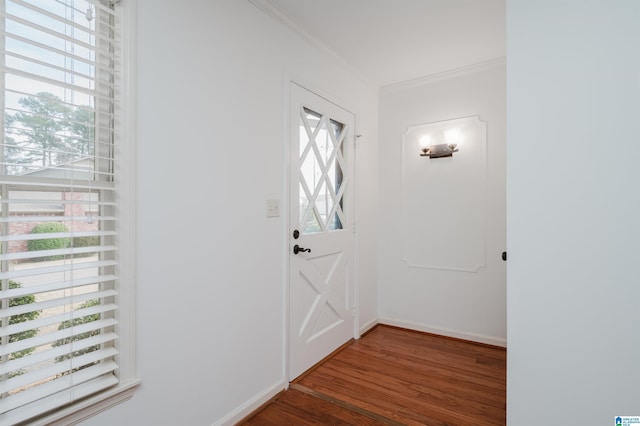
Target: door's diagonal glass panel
[(340, 205), (325, 202), (335, 178), (331, 177), (331, 223), (325, 145), (321, 172), (338, 130), (336, 135), (311, 172), (334, 223), (312, 119), (304, 204), (331, 166), (307, 204), (309, 123), (304, 142), (335, 175), (335, 171), (340, 161), (312, 224), (335, 210)]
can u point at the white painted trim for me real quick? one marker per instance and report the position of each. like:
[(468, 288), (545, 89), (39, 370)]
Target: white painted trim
[(324, 93), (81, 411), (274, 12), (480, 338), (127, 190), (368, 326), (251, 405), (356, 235), (444, 75), (286, 191), (473, 268)]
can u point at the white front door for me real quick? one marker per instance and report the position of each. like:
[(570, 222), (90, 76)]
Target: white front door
[(321, 233)]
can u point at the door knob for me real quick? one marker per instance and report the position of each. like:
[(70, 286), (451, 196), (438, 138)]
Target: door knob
[(297, 249)]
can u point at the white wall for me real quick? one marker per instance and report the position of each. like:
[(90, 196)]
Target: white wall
[(573, 211), (469, 305), (212, 81)]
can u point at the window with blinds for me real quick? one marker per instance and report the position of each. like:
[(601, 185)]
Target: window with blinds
[(58, 259)]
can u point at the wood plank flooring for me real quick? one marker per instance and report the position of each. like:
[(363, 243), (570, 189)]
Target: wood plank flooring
[(393, 376)]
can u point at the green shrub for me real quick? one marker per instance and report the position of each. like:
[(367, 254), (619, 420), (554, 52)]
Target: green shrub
[(85, 242), (16, 319), (48, 243), (75, 322)]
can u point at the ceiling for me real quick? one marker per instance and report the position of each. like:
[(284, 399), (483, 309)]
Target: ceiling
[(390, 41)]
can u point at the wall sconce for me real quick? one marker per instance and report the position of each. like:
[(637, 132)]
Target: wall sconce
[(451, 136)]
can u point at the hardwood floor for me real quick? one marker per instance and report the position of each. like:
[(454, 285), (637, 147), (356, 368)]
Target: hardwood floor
[(394, 376)]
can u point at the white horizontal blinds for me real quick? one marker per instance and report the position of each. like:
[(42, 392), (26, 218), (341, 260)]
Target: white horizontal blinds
[(58, 260)]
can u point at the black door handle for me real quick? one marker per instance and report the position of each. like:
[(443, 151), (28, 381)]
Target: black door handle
[(297, 249)]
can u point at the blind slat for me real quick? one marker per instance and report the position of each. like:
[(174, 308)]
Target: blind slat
[(21, 91), (28, 182), (54, 252), (59, 18), (15, 146), (61, 398), (52, 337), (50, 48), (49, 65), (81, 174), (30, 307), (49, 201), (70, 86), (58, 368), (54, 319), (74, 265), (96, 217), (59, 285), (70, 381), (43, 236), (56, 351)]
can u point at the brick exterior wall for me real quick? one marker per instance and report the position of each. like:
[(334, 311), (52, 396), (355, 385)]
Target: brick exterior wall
[(77, 210)]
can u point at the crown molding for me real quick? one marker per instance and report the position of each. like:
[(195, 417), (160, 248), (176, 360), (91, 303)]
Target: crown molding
[(278, 15), (274, 12), (445, 75)]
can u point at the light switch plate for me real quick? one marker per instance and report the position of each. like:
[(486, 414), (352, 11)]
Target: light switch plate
[(273, 208)]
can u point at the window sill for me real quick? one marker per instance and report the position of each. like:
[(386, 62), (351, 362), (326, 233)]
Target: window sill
[(89, 407)]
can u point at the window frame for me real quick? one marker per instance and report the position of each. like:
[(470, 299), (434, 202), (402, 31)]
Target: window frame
[(125, 190)]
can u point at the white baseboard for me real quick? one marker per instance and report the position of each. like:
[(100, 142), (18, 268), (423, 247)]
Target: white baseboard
[(368, 326), (251, 405), (490, 340)]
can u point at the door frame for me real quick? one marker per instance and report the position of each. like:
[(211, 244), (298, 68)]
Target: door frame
[(286, 224)]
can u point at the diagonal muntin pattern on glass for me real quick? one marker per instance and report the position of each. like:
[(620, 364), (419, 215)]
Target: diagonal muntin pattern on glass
[(322, 178)]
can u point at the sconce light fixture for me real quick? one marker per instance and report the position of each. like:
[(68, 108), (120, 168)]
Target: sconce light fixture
[(451, 137)]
